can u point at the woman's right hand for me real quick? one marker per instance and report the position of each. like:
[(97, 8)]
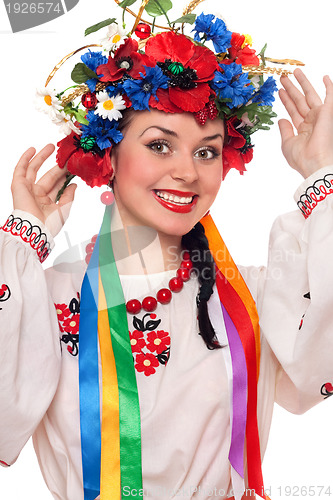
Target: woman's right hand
[(38, 198)]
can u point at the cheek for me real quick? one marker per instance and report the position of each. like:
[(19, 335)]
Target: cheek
[(211, 181)]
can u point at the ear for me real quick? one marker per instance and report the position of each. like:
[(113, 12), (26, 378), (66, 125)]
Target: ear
[(114, 159)]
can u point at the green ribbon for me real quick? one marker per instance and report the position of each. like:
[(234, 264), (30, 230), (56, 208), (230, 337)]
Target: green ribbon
[(129, 409)]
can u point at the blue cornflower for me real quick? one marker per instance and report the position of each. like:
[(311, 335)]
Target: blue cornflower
[(265, 95), (93, 60), (102, 129), (217, 32), (232, 83), (140, 90)]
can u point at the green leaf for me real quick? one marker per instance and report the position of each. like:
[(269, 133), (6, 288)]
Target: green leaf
[(98, 26), (157, 8), (80, 116), (260, 116), (189, 19), (81, 73), (126, 3)]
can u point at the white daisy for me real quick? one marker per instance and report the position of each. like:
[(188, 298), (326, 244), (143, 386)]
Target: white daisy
[(66, 123), (115, 37), (108, 107), (47, 101)]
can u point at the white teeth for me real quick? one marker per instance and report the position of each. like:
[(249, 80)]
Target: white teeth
[(175, 199)]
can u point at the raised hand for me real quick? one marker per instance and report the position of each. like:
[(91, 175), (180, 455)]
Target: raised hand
[(38, 198), (311, 147)]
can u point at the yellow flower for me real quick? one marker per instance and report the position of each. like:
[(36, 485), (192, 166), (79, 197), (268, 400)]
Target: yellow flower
[(247, 41)]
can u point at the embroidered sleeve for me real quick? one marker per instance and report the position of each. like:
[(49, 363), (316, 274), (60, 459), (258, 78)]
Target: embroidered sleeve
[(315, 189), (30, 231), (30, 357)]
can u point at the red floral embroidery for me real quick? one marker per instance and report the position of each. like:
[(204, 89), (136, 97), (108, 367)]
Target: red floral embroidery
[(69, 319), (158, 341), (155, 341), (71, 325), (137, 341), (146, 363), (62, 312)]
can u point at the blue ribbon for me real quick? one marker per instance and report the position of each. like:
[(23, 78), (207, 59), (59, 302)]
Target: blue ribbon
[(89, 380)]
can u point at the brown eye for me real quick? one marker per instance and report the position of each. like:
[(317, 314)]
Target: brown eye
[(159, 147), (205, 154)]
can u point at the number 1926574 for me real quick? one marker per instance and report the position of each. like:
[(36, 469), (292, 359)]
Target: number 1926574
[(34, 8)]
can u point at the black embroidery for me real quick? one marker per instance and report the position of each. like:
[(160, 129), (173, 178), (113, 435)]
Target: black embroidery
[(31, 234), (5, 293), (314, 194), (306, 296), (326, 390)]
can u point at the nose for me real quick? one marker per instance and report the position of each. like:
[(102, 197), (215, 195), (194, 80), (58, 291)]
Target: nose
[(184, 168)]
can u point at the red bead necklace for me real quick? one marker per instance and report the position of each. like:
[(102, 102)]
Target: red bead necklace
[(164, 295)]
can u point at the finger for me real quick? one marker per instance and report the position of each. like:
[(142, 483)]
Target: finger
[(68, 195), (52, 178), (37, 161), (65, 202), (21, 167), (296, 96), (291, 108), (312, 98), (286, 130), (329, 90)]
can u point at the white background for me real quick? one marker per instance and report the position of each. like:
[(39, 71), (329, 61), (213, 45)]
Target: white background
[(299, 449)]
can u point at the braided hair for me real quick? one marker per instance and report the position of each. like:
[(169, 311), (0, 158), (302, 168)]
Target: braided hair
[(197, 244)]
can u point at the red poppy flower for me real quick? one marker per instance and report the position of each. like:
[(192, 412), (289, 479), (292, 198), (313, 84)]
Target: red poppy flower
[(158, 341), (245, 55), (234, 158), (126, 59), (146, 363), (189, 68), (71, 325), (92, 168), (62, 311), (137, 341), (235, 154)]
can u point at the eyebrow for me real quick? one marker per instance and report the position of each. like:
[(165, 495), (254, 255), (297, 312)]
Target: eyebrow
[(162, 129), (174, 134)]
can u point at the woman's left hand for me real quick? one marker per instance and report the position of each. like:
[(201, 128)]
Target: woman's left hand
[(312, 146)]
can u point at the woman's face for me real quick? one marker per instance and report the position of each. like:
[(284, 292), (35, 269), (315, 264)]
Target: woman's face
[(168, 170)]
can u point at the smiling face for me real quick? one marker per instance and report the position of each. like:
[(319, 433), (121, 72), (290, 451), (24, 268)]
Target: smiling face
[(168, 170)]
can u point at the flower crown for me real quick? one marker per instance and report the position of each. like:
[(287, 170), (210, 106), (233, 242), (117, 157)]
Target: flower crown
[(168, 71)]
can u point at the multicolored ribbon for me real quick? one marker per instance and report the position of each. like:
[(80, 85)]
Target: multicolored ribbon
[(240, 306), (111, 443), (111, 454)]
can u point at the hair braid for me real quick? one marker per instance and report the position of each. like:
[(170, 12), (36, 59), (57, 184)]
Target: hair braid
[(197, 244)]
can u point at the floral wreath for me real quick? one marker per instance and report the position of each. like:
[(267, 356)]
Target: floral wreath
[(168, 71)]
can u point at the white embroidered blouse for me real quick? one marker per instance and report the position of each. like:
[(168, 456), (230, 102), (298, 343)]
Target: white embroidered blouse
[(183, 386)]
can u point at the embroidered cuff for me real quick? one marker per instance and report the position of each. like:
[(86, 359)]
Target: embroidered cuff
[(314, 190), (31, 231)]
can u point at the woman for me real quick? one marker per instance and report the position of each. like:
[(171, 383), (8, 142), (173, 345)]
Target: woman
[(163, 156)]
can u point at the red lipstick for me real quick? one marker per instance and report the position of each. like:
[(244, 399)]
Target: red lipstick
[(179, 209)]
